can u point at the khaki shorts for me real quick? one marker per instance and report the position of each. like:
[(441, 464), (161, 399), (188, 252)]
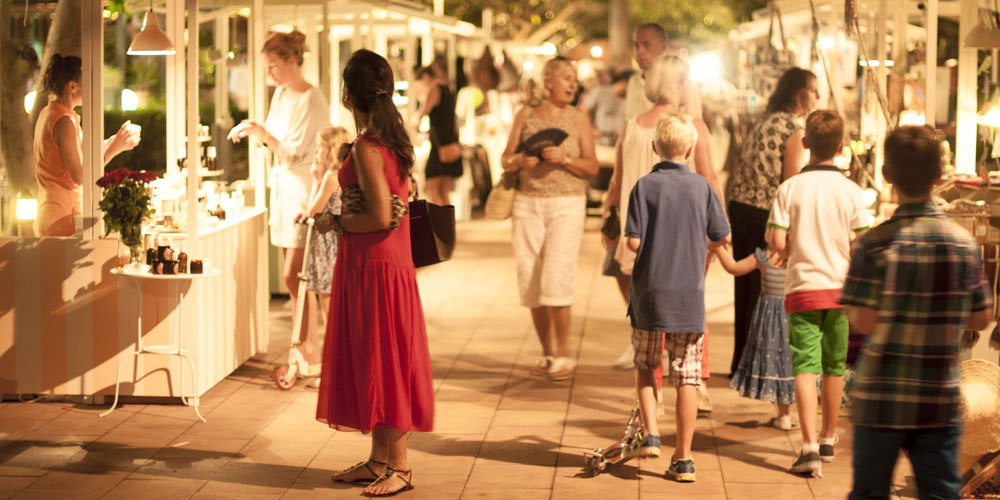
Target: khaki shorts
[(684, 353)]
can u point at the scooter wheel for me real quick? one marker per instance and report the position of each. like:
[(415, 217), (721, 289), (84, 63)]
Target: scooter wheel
[(281, 379)]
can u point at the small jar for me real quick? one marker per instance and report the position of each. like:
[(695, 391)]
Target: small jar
[(156, 267), (169, 267), (196, 266)]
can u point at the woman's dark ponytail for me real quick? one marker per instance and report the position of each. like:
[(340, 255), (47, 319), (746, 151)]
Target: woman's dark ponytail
[(369, 82), (61, 71)]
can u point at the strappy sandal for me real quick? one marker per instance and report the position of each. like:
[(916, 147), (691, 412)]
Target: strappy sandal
[(375, 476), (389, 474)]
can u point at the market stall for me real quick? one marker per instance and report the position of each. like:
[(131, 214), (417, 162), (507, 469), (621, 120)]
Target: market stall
[(65, 319)]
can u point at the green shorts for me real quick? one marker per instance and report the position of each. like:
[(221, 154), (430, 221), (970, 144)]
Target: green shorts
[(819, 341)]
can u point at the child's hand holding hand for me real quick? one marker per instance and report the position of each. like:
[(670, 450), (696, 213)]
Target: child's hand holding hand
[(775, 259)]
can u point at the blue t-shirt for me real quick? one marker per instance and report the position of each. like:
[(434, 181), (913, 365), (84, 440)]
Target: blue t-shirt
[(672, 210)]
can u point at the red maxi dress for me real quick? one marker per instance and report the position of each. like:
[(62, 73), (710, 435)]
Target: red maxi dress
[(376, 364)]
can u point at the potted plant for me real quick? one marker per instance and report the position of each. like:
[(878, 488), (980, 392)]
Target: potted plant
[(126, 202)]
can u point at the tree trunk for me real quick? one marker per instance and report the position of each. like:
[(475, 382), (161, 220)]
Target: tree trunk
[(15, 130), (619, 34)]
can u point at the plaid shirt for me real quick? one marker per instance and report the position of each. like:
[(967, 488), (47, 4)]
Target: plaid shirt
[(923, 274)]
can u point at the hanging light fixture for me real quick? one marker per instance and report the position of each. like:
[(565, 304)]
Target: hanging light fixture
[(985, 34), (151, 41)]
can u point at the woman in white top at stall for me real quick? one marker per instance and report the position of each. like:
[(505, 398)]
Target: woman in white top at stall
[(297, 113)]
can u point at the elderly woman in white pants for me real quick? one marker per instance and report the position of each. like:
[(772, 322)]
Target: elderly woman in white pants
[(549, 212)]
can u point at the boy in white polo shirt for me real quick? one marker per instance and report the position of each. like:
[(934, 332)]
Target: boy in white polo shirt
[(812, 219)]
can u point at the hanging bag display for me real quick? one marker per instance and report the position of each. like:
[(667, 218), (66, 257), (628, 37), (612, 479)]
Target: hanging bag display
[(432, 231), (500, 202), (773, 62)]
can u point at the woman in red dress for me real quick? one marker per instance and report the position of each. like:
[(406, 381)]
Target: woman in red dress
[(376, 366)]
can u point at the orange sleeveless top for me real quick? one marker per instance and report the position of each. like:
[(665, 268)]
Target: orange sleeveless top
[(58, 196)]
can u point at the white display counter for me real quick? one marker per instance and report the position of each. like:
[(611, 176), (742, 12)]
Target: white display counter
[(70, 342)]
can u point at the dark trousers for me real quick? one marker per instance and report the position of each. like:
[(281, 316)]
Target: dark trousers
[(933, 453), (748, 226)]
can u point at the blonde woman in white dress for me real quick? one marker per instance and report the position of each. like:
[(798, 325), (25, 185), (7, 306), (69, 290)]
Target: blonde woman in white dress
[(297, 113), (666, 86)]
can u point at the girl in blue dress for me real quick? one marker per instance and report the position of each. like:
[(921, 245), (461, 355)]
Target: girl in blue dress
[(764, 372)]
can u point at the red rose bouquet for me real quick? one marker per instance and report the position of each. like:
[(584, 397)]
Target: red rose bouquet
[(126, 203)]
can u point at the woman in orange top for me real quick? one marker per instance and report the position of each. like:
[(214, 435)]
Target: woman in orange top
[(58, 148)]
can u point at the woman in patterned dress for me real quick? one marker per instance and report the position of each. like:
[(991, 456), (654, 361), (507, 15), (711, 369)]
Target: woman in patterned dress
[(549, 211), (772, 152)]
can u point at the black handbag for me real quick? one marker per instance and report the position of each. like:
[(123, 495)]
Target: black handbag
[(432, 232)]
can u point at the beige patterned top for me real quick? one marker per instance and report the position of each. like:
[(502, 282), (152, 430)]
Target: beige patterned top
[(550, 179)]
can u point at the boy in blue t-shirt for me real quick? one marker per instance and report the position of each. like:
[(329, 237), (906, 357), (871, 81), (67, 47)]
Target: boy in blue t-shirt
[(671, 211)]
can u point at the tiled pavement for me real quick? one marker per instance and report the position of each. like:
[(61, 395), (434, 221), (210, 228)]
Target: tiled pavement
[(498, 434)]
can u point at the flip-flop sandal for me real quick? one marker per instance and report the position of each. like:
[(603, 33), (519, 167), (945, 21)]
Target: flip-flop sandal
[(541, 367), (389, 474), (356, 467), (561, 369)]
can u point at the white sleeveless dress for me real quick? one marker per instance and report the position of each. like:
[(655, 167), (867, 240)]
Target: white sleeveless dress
[(638, 159)]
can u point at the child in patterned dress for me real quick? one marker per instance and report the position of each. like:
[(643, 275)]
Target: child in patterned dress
[(764, 371), (323, 196)]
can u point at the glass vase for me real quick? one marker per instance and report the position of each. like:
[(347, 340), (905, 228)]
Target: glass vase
[(131, 237)]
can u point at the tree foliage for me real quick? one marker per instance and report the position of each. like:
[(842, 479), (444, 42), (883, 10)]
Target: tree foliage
[(695, 21)]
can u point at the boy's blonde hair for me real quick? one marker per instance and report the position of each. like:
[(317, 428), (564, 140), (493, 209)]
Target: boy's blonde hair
[(675, 136)]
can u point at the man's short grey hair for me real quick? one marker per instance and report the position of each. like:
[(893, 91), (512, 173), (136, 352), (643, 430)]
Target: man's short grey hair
[(655, 28)]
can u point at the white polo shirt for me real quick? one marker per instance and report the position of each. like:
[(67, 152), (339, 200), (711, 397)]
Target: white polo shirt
[(820, 208)]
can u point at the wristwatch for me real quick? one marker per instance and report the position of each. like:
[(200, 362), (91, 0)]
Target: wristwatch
[(566, 161)]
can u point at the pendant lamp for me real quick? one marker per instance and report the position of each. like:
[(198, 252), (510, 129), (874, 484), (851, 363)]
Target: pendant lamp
[(986, 33), (151, 41)]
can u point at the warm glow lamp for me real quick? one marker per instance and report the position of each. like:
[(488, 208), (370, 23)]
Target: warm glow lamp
[(151, 41), (27, 209)]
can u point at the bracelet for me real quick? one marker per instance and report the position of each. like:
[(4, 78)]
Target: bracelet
[(567, 161)]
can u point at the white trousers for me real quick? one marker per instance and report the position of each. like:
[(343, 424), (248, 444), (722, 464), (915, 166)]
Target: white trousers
[(547, 232)]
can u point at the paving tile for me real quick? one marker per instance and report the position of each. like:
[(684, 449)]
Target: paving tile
[(9, 486), (493, 474), (34, 457), (461, 425), (81, 422), (506, 493), (155, 489), (708, 485), (758, 471), (76, 485), (196, 459), (749, 491)]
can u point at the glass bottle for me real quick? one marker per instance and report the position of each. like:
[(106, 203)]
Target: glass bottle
[(182, 260)]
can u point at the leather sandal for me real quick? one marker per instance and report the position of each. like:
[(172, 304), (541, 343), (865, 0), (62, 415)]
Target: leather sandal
[(375, 476), (389, 474)]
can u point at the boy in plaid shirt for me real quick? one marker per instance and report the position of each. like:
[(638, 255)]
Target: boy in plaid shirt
[(915, 283), (671, 212)]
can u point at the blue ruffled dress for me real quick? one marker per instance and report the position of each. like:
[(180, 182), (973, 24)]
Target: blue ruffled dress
[(765, 369)]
